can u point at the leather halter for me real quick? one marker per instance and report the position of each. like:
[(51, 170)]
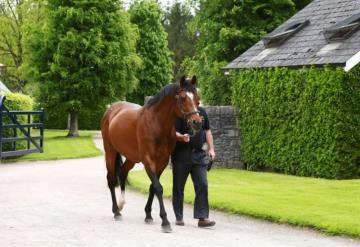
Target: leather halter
[(186, 115)]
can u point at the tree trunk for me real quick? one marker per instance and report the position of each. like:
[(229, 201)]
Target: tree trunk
[(73, 128)]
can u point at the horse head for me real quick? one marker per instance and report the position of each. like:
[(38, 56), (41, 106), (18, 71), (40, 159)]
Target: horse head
[(187, 103)]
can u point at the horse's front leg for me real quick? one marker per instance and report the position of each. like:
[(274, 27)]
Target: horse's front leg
[(148, 218), (158, 190)]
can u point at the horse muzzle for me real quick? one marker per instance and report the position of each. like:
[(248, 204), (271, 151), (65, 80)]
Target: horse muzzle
[(194, 127)]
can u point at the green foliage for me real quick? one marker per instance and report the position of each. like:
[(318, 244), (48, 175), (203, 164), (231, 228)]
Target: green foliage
[(181, 43), (153, 49), (227, 28), (55, 119), (304, 122), (82, 55), (13, 16), (16, 102), (215, 87), (300, 4), (10, 54), (89, 119)]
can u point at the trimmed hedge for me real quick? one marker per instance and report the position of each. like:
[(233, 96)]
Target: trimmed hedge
[(16, 102), (304, 122), (88, 119)]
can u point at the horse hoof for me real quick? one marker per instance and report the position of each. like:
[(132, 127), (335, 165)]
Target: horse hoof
[(166, 229), (117, 216), (149, 220)]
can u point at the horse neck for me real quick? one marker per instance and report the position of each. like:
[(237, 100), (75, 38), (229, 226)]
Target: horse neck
[(165, 113)]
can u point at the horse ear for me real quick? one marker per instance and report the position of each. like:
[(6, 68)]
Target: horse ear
[(182, 81), (193, 80)]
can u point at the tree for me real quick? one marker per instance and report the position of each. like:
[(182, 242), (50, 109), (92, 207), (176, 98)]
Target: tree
[(153, 49), (14, 17), (226, 29), (300, 4), (82, 55), (181, 43)]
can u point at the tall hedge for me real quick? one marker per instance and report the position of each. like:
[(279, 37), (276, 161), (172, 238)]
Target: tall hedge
[(304, 122), (16, 102), (89, 119)]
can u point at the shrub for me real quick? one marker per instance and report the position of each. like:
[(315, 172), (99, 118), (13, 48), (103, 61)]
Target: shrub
[(215, 87), (304, 122), (16, 102)]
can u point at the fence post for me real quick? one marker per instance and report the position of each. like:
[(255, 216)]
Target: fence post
[(2, 99), (14, 134), (29, 131), (42, 130)]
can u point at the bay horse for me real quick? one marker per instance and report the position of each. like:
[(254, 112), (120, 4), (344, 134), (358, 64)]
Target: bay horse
[(147, 134)]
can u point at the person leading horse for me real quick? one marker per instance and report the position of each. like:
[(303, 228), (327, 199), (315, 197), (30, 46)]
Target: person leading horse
[(147, 134)]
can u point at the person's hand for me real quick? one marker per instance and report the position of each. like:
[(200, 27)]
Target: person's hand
[(211, 153), (185, 138)]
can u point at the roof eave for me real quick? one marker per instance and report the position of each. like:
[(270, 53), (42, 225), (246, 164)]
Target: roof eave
[(286, 66), (352, 62)]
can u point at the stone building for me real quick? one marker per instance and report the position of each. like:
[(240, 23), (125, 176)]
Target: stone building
[(324, 32)]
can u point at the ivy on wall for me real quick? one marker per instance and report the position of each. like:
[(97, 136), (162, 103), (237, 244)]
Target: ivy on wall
[(304, 122)]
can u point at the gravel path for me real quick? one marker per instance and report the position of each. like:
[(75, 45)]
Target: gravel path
[(67, 203)]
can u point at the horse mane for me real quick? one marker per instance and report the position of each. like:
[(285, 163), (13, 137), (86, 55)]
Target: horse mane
[(169, 89)]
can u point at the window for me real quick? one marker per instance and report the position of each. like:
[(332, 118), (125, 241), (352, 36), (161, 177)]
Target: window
[(279, 36), (343, 29)]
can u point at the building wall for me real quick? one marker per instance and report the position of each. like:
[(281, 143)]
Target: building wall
[(224, 127)]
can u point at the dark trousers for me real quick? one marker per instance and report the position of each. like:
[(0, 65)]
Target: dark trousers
[(198, 173)]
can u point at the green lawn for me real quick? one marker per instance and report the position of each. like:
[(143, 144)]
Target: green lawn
[(58, 146), (332, 206)]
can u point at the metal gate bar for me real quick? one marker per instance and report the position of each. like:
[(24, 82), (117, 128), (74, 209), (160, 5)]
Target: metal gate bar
[(15, 125)]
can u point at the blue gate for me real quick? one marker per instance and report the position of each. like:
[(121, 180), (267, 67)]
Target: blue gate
[(9, 120)]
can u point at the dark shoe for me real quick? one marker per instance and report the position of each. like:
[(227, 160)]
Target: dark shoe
[(179, 223), (206, 223)]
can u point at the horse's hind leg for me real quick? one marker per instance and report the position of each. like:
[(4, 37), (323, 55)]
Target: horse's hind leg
[(148, 218), (112, 160), (122, 175)]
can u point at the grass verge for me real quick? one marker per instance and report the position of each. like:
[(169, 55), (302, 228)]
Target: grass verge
[(57, 146), (332, 206)]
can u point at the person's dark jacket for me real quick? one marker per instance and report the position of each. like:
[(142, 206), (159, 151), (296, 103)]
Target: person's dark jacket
[(183, 150)]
